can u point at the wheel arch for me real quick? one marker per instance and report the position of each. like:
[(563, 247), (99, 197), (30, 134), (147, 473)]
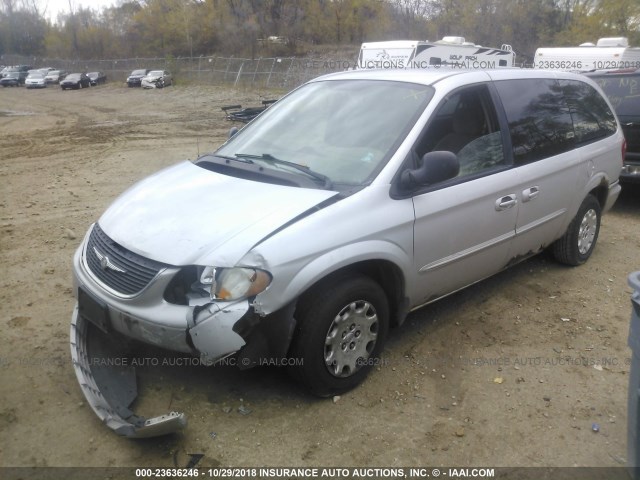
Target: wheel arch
[(601, 192), (384, 272)]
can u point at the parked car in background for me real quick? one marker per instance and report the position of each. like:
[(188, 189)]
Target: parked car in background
[(21, 70), (157, 79), (355, 199), (97, 78), (45, 70), (54, 76), (35, 80), (135, 79), (623, 89), (75, 81), (11, 79)]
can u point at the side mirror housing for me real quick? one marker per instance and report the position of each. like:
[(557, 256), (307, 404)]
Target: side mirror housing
[(436, 167)]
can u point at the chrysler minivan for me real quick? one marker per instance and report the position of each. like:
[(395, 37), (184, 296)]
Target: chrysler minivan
[(355, 199)]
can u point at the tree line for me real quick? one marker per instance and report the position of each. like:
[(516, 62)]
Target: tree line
[(258, 28)]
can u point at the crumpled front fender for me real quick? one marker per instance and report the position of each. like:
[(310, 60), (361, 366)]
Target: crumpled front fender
[(211, 330), (111, 389)]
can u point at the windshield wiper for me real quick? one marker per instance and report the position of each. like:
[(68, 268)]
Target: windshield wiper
[(267, 157), (238, 159)]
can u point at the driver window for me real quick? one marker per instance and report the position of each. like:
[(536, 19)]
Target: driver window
[(466, 124)]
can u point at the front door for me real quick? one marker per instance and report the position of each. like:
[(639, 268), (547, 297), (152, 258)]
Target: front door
[(464, 227)]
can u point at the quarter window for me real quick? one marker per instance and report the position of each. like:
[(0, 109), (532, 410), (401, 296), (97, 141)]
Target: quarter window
[(592, 118)]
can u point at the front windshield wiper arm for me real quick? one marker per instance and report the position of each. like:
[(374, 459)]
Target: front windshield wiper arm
[(237, 158), (267, 157)]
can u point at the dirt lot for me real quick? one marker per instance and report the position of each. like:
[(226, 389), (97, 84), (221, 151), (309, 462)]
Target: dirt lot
[(511, 372)]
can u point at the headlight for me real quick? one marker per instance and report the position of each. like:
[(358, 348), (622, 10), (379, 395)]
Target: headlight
[(235, 283)]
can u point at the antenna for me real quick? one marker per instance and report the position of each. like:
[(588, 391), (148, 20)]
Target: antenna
[(198, 134)]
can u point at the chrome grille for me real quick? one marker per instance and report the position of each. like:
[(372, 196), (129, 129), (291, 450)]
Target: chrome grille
[(119, 269)]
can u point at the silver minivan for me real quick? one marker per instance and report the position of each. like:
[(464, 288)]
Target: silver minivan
[(355, 199)]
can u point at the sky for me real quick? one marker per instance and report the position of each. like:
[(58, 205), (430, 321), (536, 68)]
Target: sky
[(54, 7)]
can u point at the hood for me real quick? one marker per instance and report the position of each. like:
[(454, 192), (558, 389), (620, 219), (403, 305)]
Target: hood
[(186, 215)]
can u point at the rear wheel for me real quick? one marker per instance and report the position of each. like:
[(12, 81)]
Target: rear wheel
[(577, 244), (342, 327)]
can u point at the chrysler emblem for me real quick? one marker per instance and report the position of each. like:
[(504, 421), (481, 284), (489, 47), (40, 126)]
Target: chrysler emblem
[(106, 263)]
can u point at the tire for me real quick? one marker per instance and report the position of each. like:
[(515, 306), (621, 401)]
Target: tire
[(577, 244), (341, 330)]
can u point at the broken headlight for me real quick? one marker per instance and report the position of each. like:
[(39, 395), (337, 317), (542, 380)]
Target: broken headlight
[(236, 283)]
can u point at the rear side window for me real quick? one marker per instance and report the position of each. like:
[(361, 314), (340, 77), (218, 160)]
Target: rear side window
[(539, 118), (592, 117)]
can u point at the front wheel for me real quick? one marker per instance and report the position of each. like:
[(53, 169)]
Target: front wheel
[(340, 333), (577, 244)]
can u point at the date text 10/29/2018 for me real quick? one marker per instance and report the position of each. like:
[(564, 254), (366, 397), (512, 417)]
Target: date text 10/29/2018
[(271, 472)]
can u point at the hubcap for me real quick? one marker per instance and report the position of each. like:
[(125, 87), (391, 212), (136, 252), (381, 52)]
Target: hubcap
[(587, 231), (351, 338)]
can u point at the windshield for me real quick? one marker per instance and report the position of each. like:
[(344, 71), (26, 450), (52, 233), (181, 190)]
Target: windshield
[(139, 72), (73, 76), (623, 92), (156, 73), (344, 130)]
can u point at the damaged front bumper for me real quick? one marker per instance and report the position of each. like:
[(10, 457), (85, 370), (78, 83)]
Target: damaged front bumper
[(110, 390), (157, 83), (103, 322), (109, 383)]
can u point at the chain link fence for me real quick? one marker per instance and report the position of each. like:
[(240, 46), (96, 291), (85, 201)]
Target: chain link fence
[(278, 72)]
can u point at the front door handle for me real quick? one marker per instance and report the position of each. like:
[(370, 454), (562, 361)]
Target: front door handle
[(530, 193), (506, 202)]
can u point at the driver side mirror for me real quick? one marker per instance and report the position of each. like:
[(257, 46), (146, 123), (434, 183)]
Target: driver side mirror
[(436, 167)]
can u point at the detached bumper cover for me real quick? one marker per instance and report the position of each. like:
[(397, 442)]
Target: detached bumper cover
[(109, 389)]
